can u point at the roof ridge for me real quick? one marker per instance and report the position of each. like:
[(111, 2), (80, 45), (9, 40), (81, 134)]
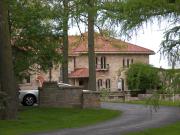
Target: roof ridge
[(113, 45), (139, 46)]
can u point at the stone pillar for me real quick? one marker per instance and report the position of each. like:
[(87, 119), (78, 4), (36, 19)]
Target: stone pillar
[(91, 99)]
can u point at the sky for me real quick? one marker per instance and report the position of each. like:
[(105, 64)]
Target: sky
[(149, 37)]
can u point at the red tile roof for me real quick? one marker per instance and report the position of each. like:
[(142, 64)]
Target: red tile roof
[(79, 73), (78, 44)]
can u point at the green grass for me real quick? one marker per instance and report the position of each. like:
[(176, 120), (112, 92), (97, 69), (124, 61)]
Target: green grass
[(173, 129), (161, 102), (37, 119), (147, 102)]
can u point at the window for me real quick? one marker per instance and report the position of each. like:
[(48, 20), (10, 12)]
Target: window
[(96, 62), (108, 83), (81, 82), (128, 63), (99, 83), (120, 84), (132, 61), (123, 62), (103, 62), (74, 61)]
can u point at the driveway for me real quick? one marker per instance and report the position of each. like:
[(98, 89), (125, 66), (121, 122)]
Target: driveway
[(134, 118)]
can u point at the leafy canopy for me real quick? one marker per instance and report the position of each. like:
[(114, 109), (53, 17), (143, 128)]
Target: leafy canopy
[(130, 15), (35, 34), (142, 77)]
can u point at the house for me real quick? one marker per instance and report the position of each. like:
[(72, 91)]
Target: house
[(113, 58)]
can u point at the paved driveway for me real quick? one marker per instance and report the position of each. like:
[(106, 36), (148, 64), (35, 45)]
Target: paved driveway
[(134, 118)]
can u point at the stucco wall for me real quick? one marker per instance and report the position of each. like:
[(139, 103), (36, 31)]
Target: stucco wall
[(115, 71), (115, 62)]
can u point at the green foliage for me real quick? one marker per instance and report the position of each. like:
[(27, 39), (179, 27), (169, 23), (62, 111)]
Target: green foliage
[(104, 93), (142, 77), (37, 119), (170, 81), (170, 46), (35, 34), (131, 15)]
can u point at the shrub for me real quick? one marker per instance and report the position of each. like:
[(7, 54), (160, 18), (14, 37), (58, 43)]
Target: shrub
[(142, 77)]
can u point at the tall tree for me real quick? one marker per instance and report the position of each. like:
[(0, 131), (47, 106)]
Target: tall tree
[(67, 9), (170, 46), (35, 34), (132, 14), (65, 41), (91, 53), (75, 10), (7, 79)]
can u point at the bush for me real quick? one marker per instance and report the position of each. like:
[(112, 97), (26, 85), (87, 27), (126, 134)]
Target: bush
[(142, 77), (104, 93)]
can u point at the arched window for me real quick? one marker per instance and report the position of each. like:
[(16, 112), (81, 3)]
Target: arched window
[(120, 84), (99, 84), (96, 62), (132, 61), (103, 62), (124, 63), (108, 84), (128, 62)]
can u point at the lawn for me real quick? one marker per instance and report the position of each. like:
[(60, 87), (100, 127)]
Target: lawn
[(161, 102), (35, 119), (173, 129)]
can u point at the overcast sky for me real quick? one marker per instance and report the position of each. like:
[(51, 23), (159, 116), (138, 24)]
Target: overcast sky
[(149, 37)]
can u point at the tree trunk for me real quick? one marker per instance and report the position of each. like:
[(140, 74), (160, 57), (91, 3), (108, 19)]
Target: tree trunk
[(7, 79), (50, 74), (65, 42), (91, 54)]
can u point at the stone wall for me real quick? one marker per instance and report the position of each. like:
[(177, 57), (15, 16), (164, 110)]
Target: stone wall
[(91, 99), (53, 96), (115, 62), (162, 96), (67, 96), (128, 97)]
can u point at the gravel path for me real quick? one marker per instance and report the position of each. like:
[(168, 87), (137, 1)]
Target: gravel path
[(134, 118)]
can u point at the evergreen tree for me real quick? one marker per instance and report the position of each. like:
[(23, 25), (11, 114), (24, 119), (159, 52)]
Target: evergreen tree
[(132, 14)]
